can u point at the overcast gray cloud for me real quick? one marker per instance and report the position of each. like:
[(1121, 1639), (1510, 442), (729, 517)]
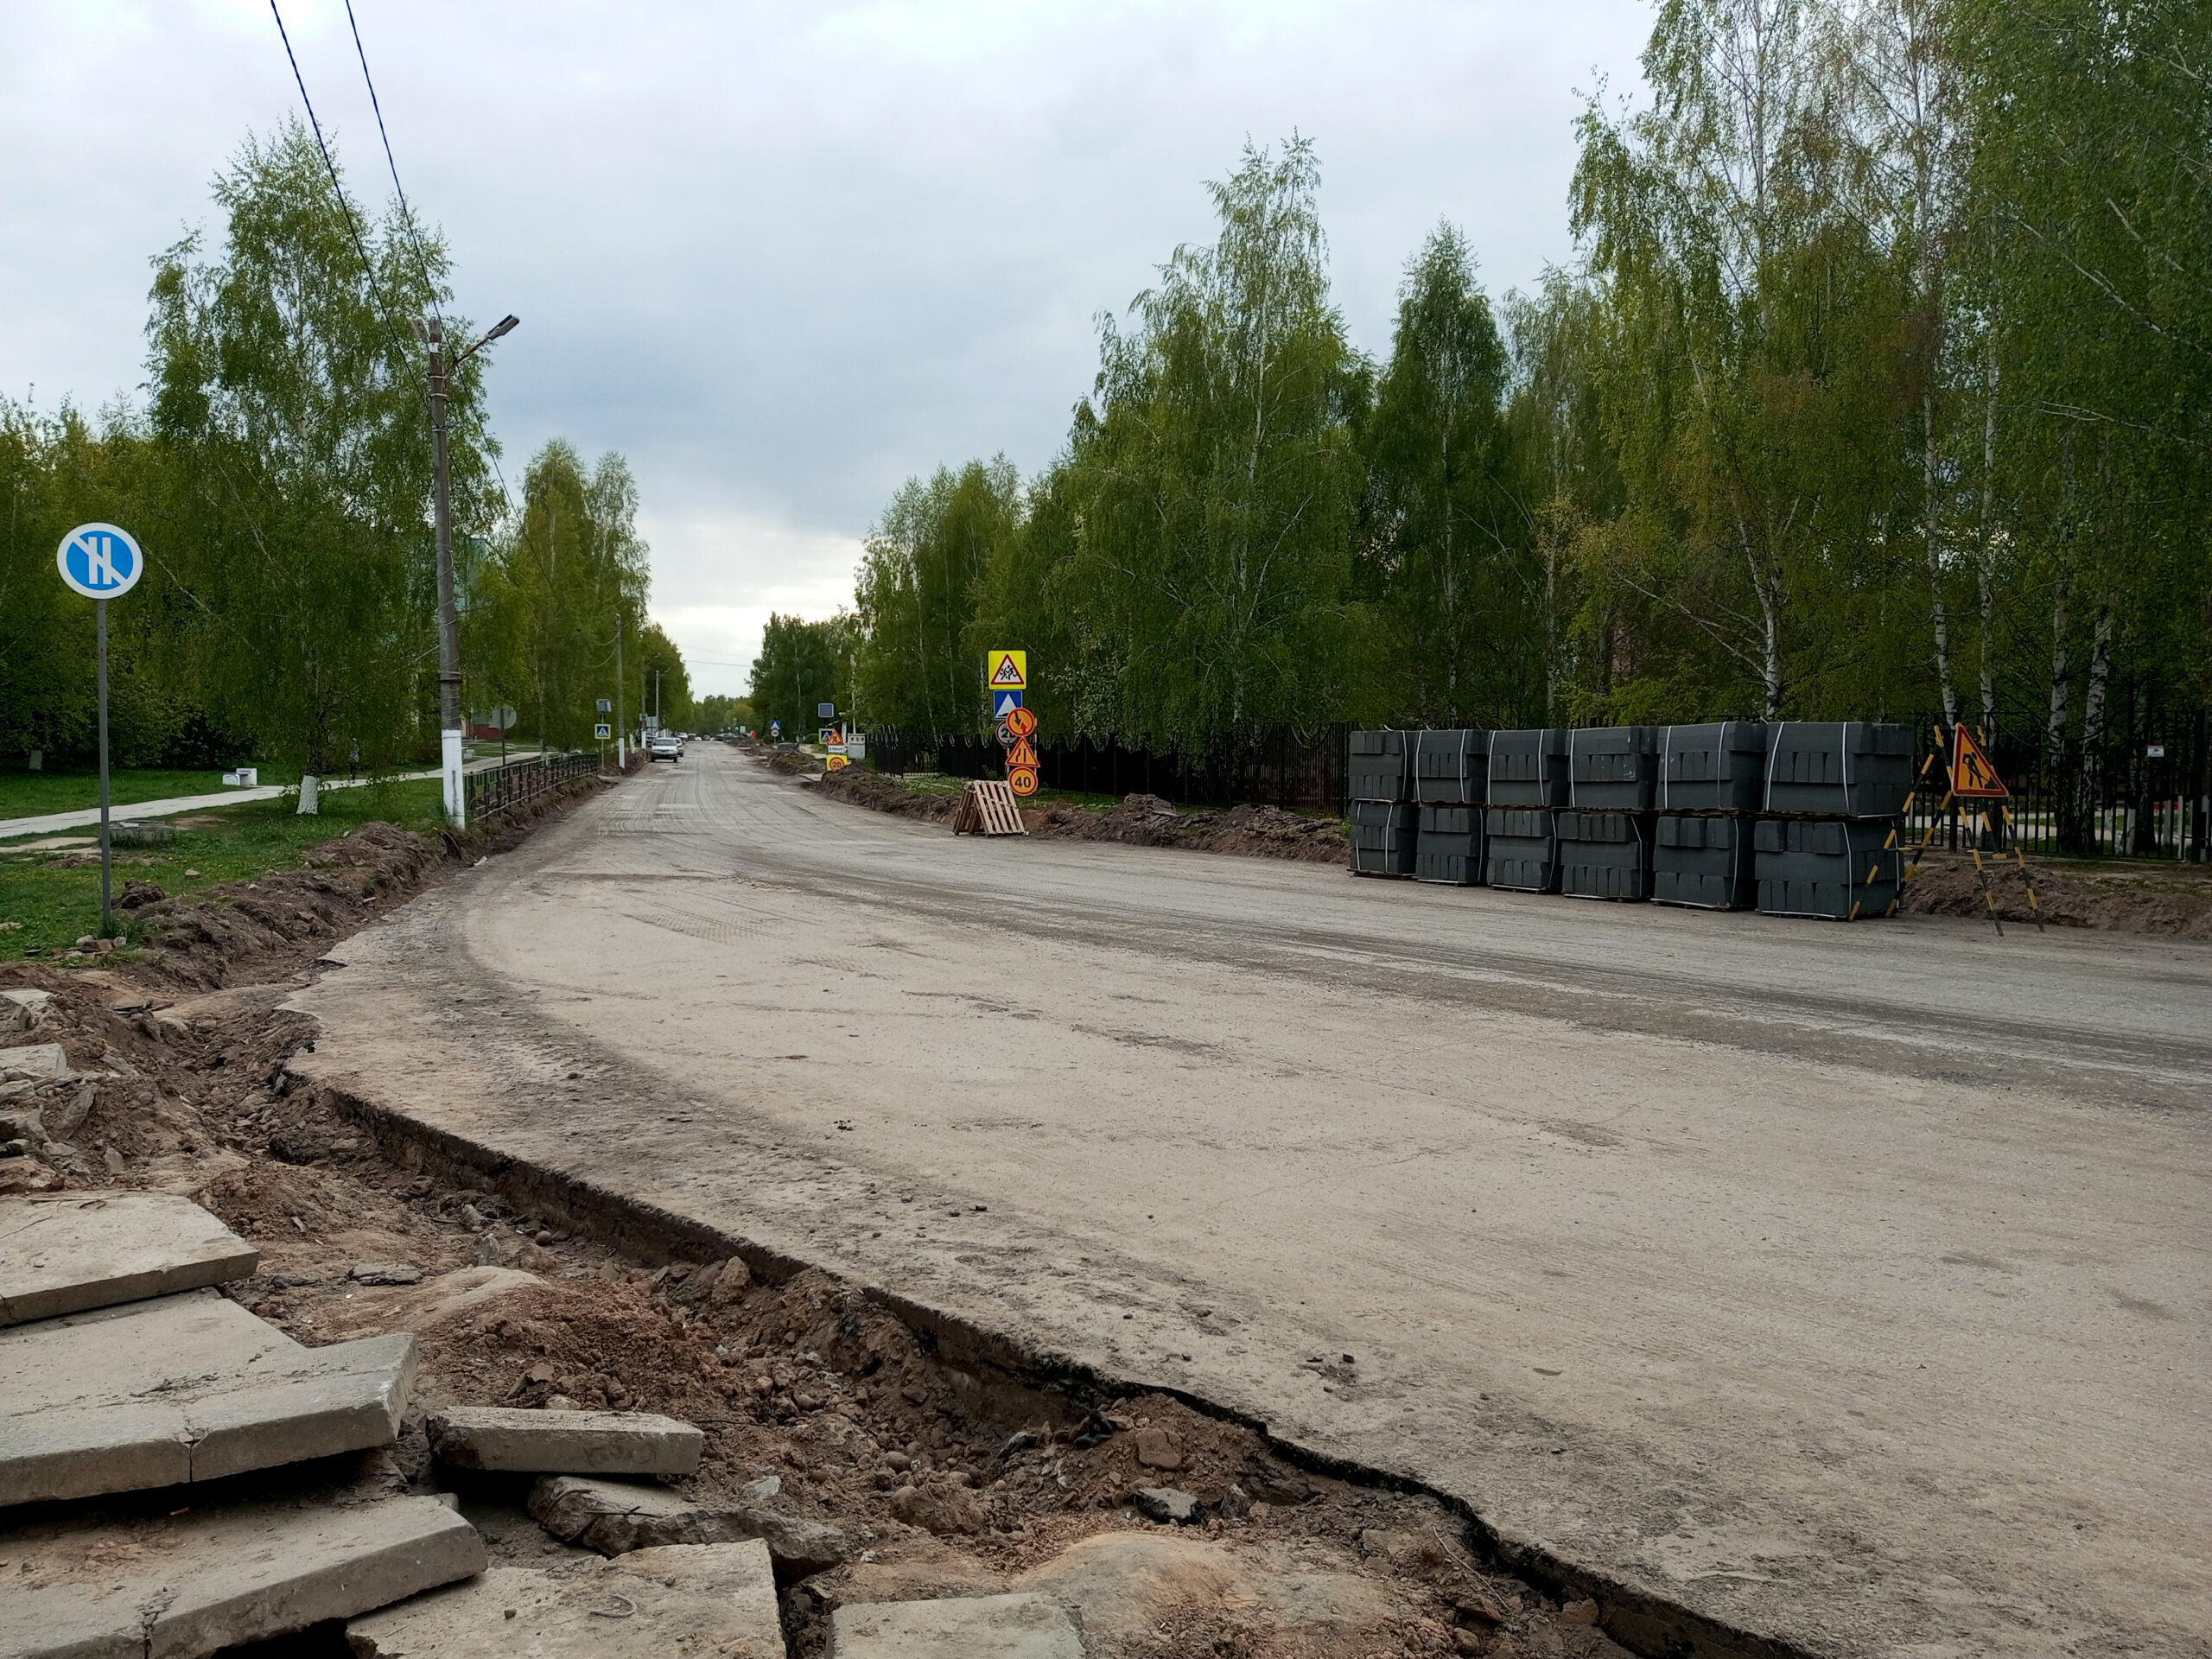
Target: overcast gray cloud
[(782, 256)]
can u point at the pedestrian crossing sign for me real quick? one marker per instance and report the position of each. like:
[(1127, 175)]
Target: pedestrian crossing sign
[(602, 731), (1009, 670), (1004, 703), (1973, 775)]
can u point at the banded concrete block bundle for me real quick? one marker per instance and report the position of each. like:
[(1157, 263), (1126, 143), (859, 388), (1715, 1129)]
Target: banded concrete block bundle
[(1520, 849), (1529, 782), (1838, 769), (1838, 868), (1604, 855), (1450, 850), (1384, 821), (1604, 838), (1451, 767), (1834, 803), (1712, 782), (1378, 767), (1383, 838), (1706, 863)]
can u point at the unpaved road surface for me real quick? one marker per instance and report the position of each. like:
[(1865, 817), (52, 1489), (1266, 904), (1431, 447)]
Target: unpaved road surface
[(1848, 1286)]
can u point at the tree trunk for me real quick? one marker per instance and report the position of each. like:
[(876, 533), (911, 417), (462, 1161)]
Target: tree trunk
[(2054, 739), (2090, 768), (1935, 561), (1986, 560)]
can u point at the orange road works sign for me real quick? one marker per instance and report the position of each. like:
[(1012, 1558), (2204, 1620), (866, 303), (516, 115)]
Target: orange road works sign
[(1023, 753), (1022, 780), (1972, 776), (1021, 723)]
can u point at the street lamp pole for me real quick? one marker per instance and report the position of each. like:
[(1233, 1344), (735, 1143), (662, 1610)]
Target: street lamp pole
[(450, 717)]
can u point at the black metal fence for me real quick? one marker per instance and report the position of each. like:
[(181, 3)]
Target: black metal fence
[(1296, 771), (2147, 792), (497, 790)]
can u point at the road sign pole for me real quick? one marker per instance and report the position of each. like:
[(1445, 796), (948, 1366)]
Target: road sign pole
[(107, 851)]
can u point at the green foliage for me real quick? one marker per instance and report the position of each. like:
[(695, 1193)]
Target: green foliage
[(920, 582), (801, 665), (662, 683), (561, 578), (291, 517)]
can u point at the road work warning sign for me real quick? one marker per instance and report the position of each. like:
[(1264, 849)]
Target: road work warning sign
[(1009, 670), (1023, 753), (1973, 775)]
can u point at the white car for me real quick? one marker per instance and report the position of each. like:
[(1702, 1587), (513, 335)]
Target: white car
[(664, 748)]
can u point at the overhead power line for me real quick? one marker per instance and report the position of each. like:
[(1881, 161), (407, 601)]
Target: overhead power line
[(406, 212)]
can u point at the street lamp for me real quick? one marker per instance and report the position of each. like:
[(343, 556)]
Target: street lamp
[(433, 333)]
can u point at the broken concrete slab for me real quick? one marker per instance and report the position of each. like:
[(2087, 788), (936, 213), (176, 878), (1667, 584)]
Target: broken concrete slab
[(187, 1387), (186, 1585), (35, 1061), (976, 1627), (687, 1599), (564, 1442), (73, 1251), (1166, 1503), (616, 1517)]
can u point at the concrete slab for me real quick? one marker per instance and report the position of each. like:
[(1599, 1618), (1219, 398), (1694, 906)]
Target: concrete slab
[(183, 1586), (617, 1516), (690, 1599), (185, 1387), (976, 1627), (38, 1062), (564, 1442), (78, 1251)]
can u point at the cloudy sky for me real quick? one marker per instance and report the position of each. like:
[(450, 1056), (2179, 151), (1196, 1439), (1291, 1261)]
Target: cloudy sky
[(782, 256)]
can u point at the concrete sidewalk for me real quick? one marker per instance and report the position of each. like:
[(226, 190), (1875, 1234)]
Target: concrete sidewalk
[(90, 816)]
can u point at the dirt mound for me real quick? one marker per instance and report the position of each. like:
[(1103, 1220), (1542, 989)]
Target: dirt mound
[(2170, 901), (388, 855), (878, 793), (1148, 821), (1138, 821)]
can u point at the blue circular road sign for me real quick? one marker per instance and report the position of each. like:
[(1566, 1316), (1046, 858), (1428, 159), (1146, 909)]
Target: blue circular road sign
[(99, 561)]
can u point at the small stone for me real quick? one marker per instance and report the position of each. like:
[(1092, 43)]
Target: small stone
[(545, 1236), (1579, 1613), (1166, 1503), (1155, 1450), (114, 1162), (385, 1272)]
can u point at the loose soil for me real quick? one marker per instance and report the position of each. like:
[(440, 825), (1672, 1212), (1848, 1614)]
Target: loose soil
[(1136, 821), (2170, 900), (943, 1482)]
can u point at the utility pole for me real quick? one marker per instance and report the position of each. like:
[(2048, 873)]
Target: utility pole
[(433, 333), (621, 732)]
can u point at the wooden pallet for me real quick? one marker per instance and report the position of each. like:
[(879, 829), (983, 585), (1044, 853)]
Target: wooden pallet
[(988, 808)]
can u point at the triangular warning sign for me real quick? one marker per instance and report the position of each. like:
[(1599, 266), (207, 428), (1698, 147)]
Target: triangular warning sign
[(1023, 753), (1974, 775), (1008, 672)]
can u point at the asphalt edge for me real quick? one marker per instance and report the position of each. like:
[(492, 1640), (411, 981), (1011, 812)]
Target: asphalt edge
[(1644, 1623)]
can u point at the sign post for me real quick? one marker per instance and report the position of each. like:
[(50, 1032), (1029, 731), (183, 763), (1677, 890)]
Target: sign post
[(102, 563)]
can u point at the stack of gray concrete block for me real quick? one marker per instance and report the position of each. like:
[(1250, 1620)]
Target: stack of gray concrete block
[(1828, 843), (1605, 834), (1451, 772), (1385, 819), (1529, 784), (1712, 783)]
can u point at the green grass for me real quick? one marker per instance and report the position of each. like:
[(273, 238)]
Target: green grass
[(26, 794), (46, 904)]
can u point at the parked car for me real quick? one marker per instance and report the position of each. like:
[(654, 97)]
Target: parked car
[(666, 747)]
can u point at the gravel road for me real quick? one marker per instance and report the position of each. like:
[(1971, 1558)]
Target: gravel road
[(1847, 1284)]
